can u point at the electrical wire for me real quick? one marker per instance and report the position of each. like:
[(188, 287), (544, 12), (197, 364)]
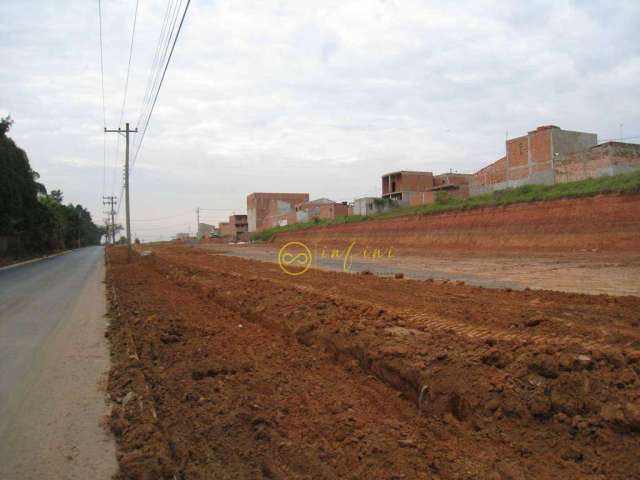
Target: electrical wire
[(163, 50), (156, 59), (126, 83), (159, 87), (618, 139), (161, 82), (164, 44), (104, 108), (164, 218), (217, 209), (170, 12)]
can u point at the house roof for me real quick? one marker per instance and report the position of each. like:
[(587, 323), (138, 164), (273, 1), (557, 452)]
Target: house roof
[(410, 172)]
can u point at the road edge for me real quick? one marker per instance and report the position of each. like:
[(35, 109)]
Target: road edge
[(34, 260)]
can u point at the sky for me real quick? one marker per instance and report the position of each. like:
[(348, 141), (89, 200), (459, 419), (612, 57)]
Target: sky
[(303, 96)]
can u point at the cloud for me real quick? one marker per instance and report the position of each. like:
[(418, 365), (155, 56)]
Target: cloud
[(309, 96)]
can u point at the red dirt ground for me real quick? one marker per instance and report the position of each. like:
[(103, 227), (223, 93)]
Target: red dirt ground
[(607, 223), (228, 368)]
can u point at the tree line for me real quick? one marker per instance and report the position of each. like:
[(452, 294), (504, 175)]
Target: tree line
[(32, 220)]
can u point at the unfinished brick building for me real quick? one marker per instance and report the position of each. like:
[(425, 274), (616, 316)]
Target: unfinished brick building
[(235, 229), (401, 186), (321, 208), (417, 188), (549, 155), (455, 185), (264, 210), (225, 229)]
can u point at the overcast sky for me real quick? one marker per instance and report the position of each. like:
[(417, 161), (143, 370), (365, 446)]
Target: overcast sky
[(305, 96)]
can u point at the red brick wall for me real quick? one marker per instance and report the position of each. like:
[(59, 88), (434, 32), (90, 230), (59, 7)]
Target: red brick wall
[(414, 183), (263, 204), (407, 182), (518, 151), (422, 198), (333, 210), (494, 173), (596, 161), (274, 220), (226, 229)]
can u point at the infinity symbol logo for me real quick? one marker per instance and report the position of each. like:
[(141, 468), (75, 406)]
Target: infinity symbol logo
[(294, 258)]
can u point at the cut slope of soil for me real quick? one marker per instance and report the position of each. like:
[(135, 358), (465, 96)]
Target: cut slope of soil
[(605, 223)]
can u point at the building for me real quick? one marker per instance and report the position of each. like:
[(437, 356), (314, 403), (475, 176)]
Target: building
[(453, 185), (320, 208), (418, 188), (371, 206), (532, 159), (365, 206), (401, 186), (265, 210), (307, 211), (205, 230), (226, 230), (608, 158), (182, 236), (335, 210), (238, 227)]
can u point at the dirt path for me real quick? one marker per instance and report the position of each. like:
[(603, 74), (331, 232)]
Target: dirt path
[(227, 368)]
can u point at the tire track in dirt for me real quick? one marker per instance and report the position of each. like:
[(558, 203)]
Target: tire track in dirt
[(302, 417), (504, 406), (593, 335)]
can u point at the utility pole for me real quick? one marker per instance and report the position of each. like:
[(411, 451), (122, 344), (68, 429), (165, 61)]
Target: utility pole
[(198, 223), (107, 229), (111, 201), (126, 133)]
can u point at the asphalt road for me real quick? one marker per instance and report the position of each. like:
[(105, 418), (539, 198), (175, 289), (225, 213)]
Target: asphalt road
[(53, 364)]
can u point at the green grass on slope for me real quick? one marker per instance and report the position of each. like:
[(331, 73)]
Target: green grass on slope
[(625, 183)]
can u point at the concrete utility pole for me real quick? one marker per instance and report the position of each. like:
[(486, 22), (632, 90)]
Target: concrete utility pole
[(198, 223), (126, 133), (111, 201)]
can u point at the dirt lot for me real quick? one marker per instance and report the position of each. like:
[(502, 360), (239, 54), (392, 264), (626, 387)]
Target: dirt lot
[(228, 368), (582, 272)]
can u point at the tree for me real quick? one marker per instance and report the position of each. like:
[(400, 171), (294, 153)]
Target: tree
[(21, 215), (58, 221), (5, 125), (39, 221), (57, 195)]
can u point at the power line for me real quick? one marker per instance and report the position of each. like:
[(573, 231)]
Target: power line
[(164, 48), (126, 83), (104, 108), (166, 66), (217, 209), (163, 218), (154, 67), (619, 139), (124, 102), (161, 60), (161, 227), (161, 81)]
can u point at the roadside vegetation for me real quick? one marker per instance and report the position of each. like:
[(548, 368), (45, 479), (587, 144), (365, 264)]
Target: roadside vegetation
[(626, 183), (33, 221)]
